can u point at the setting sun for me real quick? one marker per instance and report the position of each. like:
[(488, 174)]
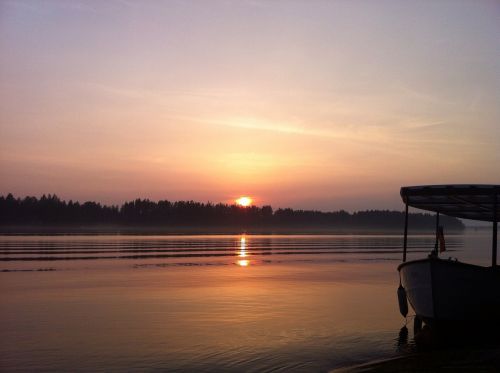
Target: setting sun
[(244, 201)]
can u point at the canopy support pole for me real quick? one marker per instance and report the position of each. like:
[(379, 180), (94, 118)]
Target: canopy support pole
[(495, 230), (437, 229), (405, 240)]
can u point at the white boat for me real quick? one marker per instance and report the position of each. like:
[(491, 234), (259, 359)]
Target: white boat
[(445, 291)]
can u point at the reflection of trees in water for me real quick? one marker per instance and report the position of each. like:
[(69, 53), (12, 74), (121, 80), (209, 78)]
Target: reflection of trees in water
[(50, 209)]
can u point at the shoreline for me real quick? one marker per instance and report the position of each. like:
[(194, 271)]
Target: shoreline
[(202, 230), (463, 359)]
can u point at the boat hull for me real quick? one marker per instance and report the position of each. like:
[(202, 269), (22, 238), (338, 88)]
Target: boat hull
[(442, 291)]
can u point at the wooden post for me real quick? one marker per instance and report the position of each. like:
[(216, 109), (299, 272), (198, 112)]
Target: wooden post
[(437, 228), (495, 230), (406, 232)]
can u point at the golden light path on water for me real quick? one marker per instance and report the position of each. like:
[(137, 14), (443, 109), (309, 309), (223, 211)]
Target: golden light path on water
[(243, 253), (305, 312)]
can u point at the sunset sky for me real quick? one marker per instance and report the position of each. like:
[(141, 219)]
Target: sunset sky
[(308, 104)]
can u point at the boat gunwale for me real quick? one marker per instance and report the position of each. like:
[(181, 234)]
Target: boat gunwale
[(448, 262)]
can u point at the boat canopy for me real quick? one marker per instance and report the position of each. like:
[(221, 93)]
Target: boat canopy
[(476, 202)]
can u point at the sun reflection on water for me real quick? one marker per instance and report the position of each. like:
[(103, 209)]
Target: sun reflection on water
[(242, 253)]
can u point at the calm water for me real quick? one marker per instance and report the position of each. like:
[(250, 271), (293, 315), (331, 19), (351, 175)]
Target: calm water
[(205, 303)]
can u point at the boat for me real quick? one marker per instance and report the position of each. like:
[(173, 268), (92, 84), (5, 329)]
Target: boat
[(445, 292)]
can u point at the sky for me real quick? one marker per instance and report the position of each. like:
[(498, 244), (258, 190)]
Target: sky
[(307, 104)]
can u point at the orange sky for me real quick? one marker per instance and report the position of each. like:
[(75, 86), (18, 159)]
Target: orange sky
[(323, 105)]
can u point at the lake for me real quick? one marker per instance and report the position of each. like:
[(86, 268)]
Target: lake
[(250, 303)]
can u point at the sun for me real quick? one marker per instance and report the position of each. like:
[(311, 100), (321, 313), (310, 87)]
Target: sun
[(244, 201)]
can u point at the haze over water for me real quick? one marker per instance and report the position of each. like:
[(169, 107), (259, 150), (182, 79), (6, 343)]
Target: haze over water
[(205, 303)]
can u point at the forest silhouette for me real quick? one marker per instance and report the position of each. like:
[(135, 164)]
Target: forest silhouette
[(51, 210)]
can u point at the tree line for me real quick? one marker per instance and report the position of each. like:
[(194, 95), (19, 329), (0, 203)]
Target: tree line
[(51, 210)]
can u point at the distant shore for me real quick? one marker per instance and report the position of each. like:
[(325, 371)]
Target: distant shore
[(51, 214), (201, 230)]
